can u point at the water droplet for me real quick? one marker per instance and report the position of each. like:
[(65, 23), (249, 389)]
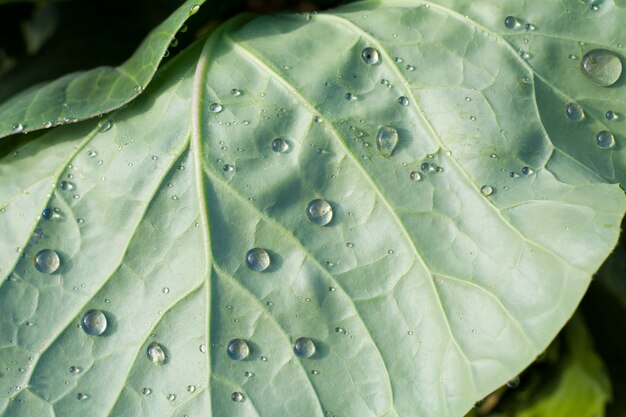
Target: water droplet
[(280, 145), (602, 67), (228, 168), (349, 245), (47, 124), (155, 353), (66, 185), (513, 383), (257, 259), (572, 56), (511, 22), (80, 396), (165, 290), (237, 349), (304, 347), (215, 108), (398, 60), (350, 97), (248, 374), (237, 397), (104, 125), (171, 397), (317, 119), (415, 176), (486, 190), (194, 9), (426, 167), (91, 153), (320, 212), (74, 370), (410, 67), (263, 358), (513, 174), (530, 27), (94, 322), (403, 101), (611, 115), (47, 213), (472, 118), (370, 56), (605, 139), (17, 128), (386, 140), (146, 391), (47, 261), (191, 388), (202, 348), (527, 171), (574, 112)]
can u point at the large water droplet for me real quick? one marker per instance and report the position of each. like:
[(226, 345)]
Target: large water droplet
[(415, 176), (237, 397), (386, 140), (156, 353), (94, 322), (486, 190), (280, 145), (257, 259), (574, 112), (237, 349), (320, 212), (47, 213), (611, 115), (304, 347), (511, 22), (370, 56), (527, 171), (602, 67), (47, 261), (104, 125), (605, 139), (513, 383), (215, 108)]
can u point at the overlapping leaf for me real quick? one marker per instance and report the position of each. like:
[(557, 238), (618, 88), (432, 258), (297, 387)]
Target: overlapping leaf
[(425, 292)]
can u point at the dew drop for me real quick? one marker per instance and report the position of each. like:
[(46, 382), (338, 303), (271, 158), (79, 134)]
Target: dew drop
[(91, 153), (349, 245), (165, 290), (146, 391), (237, 397), (94, 322), (611, 115), (257, 259), (66, 185), (228, 168), (415, 176), (47, 214), (237, 349), (398, 60), (426, 167), (403, 101), (191, 388), (605, 139), (171, 397), (202, 348), (280, 145), (410, 67), (511, 22), (530, 27), (320, 212), (304, 347), (155, 353), (370, 56), (527, 171), (17, 128), (194, 9), (248, 374), (513, 383), (47, 261), (104, 125), (215, 108), (386, 140), (80, 396), (602, 67), (350, 97), (486, 190), (74, 370), (574, 112)]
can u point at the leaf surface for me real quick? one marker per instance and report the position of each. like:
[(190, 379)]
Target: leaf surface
[(420, 296)]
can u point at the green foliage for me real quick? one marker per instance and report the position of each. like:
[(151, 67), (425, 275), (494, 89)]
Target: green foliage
[(464, 233)]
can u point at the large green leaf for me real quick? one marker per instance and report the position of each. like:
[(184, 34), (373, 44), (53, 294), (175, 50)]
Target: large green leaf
[(421, 296), (82, 95)]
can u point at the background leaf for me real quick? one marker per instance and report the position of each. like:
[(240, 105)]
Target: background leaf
[(424, 293)]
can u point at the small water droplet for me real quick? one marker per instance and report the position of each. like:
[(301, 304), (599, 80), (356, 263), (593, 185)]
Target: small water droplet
[(91, 153), (155, 353), (237, 397), (237, 349), (350, 97), (235, 92), (74, 370), (572, 56), (611, 115), (349, 245), (530, 27), (228, 168), (320, 212), (263, 358), (80, 396), (317, 119), (398, 60), (602, 67), (17, 128), (66, 185), (304, 347), (427, 167), (524, 54), (415, 176), (472, 118), (386, 140), (146, 391), (171, 397), (605, 139), (511, 22), (332, 289), (486, 190), (215, 107), (280, 145), (403, 101), (410, 67), (370, 56), (257, 259), (248, 374), (165, 290), (513, 383), (47, 261), (47, 214), (94, 322), (194, 9), (574, 112), (202, 348), (191, 388), (104, 125), (527, 171)]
